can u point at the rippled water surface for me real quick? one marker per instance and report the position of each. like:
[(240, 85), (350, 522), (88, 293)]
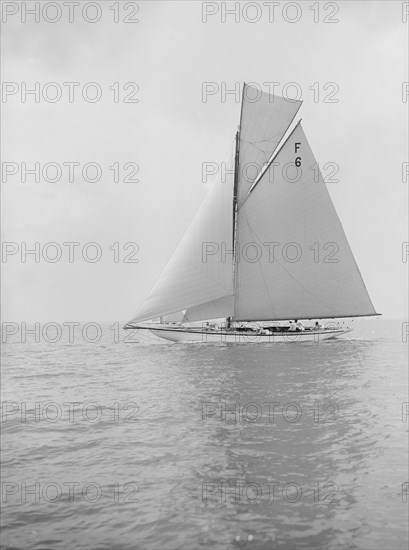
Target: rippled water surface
[(153, 445)]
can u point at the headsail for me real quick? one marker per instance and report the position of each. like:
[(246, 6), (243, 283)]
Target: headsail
[(264, 120), (295, 261), (195, 274)]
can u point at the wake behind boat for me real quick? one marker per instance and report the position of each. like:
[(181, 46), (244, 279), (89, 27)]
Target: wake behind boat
[(265, 246)]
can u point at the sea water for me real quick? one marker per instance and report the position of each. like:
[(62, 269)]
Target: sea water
[(132, 442)]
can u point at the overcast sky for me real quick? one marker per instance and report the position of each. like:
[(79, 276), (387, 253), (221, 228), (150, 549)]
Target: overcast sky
[(171, 131)]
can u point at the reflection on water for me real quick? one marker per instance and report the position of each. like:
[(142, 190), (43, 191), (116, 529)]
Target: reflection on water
[(235, 446)]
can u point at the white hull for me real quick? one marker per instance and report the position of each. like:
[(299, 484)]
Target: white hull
[(201, 336)]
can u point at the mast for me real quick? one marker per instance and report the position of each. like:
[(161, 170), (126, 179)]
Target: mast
[(235, 210), (235, 186), (235, 192), (236, 176)]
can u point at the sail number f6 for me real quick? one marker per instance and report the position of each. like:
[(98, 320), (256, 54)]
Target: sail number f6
[(298, 159)]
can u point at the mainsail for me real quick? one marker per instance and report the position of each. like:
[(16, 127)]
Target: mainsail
[(294, 259), (291, 256)]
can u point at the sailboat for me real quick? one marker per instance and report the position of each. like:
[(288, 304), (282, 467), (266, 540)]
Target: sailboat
[(265, 248)]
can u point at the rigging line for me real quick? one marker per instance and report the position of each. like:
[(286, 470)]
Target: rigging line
[(264, 153), (267, 139)]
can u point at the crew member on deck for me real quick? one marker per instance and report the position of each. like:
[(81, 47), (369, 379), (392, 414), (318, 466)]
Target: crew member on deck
[(292, 327), (299, 326)]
